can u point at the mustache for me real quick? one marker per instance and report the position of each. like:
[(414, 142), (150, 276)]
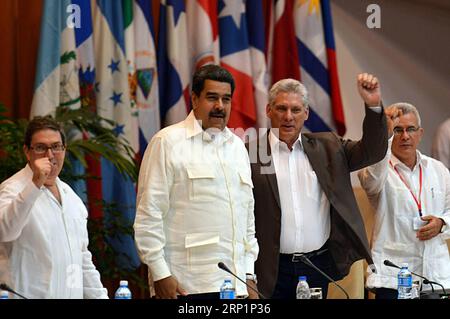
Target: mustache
[(217, 113)]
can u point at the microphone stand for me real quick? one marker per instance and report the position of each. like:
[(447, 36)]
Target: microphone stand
[(7, 288), (425, 280), (224, 267), (308, 262)]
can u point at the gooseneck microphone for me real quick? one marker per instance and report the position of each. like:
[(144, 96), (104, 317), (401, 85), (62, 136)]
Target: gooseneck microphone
[(4, 286), (425, 280), (224, 267), (308, 262)]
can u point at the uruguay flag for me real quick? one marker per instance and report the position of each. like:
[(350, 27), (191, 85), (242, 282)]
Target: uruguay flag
[(113, 102), (315, 43)]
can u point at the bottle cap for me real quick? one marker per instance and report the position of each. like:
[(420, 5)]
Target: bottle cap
[(404, 265), (124, 283), (301, 278)]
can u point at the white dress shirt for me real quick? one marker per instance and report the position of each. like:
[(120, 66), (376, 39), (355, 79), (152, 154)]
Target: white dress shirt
[(43, 244), (305, 209), (393, 235), (195, 208)]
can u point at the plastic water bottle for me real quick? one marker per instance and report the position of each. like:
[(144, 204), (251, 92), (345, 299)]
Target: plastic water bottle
[(4, 294), (404, 282), (123, 292), (303, 288), (227, 290)]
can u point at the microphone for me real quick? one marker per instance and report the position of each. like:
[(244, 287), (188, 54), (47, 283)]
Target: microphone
[(308, 262), (4, 286), (425, 280), (224, 267)]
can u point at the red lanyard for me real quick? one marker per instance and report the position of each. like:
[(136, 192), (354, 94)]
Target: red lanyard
[(418, 202)]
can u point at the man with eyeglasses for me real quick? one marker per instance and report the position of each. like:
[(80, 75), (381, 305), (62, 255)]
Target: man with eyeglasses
[(43, 234), (411, 195)]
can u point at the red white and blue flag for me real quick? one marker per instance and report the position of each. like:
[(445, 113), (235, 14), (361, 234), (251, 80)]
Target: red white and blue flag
[(173, 62), (308, 42)]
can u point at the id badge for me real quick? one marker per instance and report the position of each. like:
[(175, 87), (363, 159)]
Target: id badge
[(418, 223)]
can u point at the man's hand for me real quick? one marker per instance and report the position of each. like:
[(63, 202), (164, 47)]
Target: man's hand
[(430, 230), (251, 293), (392, 118), (42, 168), (168, 288), (369, 89)]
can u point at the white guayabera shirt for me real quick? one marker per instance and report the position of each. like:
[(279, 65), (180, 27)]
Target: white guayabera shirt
[(43, 244), (195, 207), (393, 235)]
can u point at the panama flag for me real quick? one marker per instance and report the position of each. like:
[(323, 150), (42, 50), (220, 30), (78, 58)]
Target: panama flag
[(113, 102), (202, 20), (147, 95), (173, 62), (56, 81), (315, 42), (260, 77), (235, 57)]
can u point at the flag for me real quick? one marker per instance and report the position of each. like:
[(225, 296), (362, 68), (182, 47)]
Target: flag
[(56, 81), (147, 95), (202, 20), (91, 188), (303, 36), (113, 102), (336, 101), (284, 52), (235, 57), (315, 43), (260, 77), (173, 62)]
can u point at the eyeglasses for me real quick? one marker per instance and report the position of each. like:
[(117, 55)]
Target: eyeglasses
[(42, 148), (410, 130)]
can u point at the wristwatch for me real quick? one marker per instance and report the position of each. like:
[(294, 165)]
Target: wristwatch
[(251, 277), (444, 225)]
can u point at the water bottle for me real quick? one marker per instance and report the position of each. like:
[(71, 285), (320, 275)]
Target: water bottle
[(404, 282), (4, 294), (303, 288), (123, 292), (227, 290)]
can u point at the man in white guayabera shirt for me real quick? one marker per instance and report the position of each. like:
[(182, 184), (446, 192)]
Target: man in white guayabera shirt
[(411, 194), (43, 235), (195, 201)]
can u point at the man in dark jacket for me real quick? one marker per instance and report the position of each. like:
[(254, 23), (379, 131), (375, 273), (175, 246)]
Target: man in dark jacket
[(304, 202)]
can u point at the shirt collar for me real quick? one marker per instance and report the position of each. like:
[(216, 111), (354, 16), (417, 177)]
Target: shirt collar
[(275, 142), (193, 128), (420, 160)]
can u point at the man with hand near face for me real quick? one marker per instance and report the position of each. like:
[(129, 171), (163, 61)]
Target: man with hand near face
[(194, 201), (411, 195), (43, 234)]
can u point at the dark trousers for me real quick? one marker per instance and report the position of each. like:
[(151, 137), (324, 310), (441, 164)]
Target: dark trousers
[(289, 271), (386, 293)]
